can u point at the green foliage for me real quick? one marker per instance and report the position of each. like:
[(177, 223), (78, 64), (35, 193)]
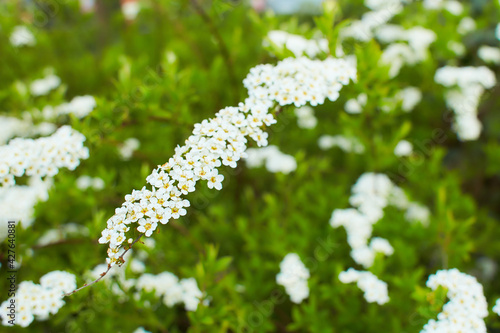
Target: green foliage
[(156, 77)]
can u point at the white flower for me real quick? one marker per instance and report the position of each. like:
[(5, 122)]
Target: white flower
[(293, 276), (356, 105), (370, 195), (403, 148), (375, 290), (44, 156), (223, 139), (44, 86), (466, 25), (467, 307), (130, 9), (347, 144), (38, 301), (297, 44), (270, 156), (80, 106), (21, 36), (496, 308), (489, 54)]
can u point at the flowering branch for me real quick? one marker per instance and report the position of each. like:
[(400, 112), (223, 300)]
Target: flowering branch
[(222, 141)]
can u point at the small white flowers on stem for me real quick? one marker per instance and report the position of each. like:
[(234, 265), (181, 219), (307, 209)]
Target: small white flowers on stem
[(38, 300), (222, 140), (41, 157), (467, 307)]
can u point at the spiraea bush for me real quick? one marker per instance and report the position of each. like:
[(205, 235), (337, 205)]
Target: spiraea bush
[(250, 166)]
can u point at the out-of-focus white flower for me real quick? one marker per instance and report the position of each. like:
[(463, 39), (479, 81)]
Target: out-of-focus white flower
[(130, 9), (270, 156), (370, 195), (80, 106), (18, 202), (21, 36), (409, 97), (375, 290), (355, 105), (496, 308), (87, 6), (84, 182), (453, 6), (403, 148), (129, 146), (466, 25), (141, 330), (467, 85), (43, 86), (293, 276), (305, 117), (297, 44), (347, 144), (457, 48), (399, 54), (489, 54), (418, 213)]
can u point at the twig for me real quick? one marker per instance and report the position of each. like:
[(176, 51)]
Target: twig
[(120, 262)]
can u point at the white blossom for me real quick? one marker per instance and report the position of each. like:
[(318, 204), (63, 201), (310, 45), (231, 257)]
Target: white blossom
[(466, 307), (293, 276), (22, 36), (38, 301), (489, 54), (222, 141), (403, 148), (375, 290)]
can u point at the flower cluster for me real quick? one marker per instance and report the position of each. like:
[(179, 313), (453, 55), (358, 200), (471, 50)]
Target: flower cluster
[(398, 54), (489, 54), (18, 202), (84, 182), (11, 127), (42, 157), (381, 13), (129, 146), (293, 276), (467, 305), (80, 106), (467, 85), (347, 144), (496, 308), (375, 290), (270, 156), (167, 286), (21, 36), (370, 195), (37, 300), (452, 6), (43, 86), (355, 105), (222, 141), (305, 117), (64, 231), (297, 44)]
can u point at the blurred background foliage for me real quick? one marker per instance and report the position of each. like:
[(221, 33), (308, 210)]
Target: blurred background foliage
[(181, 61)]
